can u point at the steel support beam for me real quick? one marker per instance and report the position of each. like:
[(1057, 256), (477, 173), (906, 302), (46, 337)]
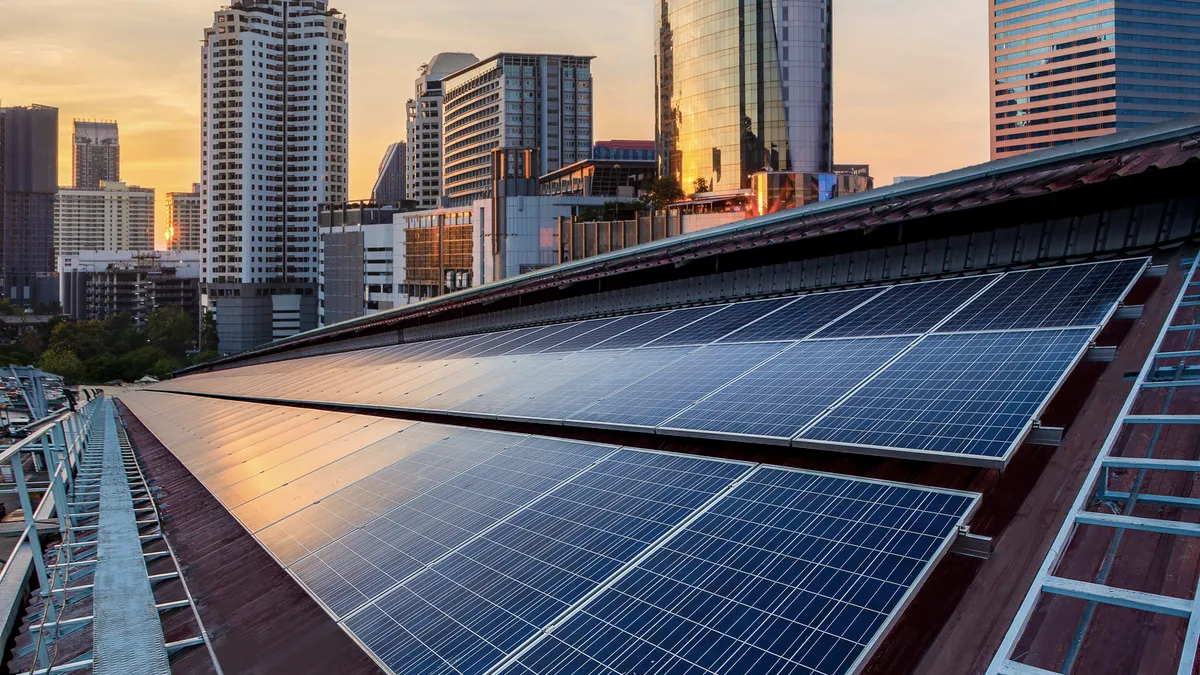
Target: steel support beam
[(1108, 595)]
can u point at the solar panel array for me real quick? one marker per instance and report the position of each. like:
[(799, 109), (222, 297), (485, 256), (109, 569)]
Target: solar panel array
[(915, 370), (451, 550)]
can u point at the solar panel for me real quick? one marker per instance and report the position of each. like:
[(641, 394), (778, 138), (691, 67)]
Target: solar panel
[(464, 553), (620, 325), (778, 398), (466, 612), (803, 317), (1081, 295), (791, 572), (664, 324), (421, 529), (655, 398), (965, 395), (910, 309), (721, 323)]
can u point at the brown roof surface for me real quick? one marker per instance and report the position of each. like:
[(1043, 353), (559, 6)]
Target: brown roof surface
[(259, 619)]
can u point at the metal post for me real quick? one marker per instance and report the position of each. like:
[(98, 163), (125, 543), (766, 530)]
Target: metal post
[(27, 511)]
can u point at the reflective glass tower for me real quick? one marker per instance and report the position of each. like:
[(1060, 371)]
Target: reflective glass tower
[(743, 86), (1065, 70)]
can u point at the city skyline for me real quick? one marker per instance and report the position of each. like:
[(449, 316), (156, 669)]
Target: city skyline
[(931, 75)]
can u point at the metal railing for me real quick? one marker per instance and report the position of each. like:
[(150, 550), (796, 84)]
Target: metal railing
[(57, 444), (1181, 327)]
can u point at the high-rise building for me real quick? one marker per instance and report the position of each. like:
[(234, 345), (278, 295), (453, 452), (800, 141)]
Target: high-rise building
[(185, 220), (424, 115), (112, 217), (28, 183), (274, 123), (1063, 70), (743, 88), (96, 154), (535, 102), (389, 186)]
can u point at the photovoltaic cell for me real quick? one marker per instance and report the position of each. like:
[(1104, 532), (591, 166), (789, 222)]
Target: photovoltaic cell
[(618, 326), (965, 394), (469, 610), (721, 323), (1081, 295), (781, 396), (909, 309), (661, 394), (350, 572), (790, 573), (665, 324), (803, 317)]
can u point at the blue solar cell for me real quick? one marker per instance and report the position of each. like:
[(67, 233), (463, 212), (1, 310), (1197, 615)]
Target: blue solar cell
[(803, 317), (790, 573), (570, 332), (661, 394), (436, 517), (503, 587), (621, 325), (1081, 295), (964, 394), (665, 324), (784, 394), (721, 323), (909, 309)]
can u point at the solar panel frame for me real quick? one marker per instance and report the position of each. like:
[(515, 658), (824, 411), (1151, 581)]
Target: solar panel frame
[(966, 320), (512, 665), (802, 439), (923, 305)]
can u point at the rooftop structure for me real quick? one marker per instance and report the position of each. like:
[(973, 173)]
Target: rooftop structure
[(634, 447), (96, 154)]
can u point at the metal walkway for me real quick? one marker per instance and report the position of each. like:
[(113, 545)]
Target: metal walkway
[(1117, 496), (127, 636), (97, 578)]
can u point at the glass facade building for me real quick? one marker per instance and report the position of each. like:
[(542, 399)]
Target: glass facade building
[(1064, 70), (743, 86)]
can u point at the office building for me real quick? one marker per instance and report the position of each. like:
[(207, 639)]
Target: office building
[(390, 184), (534, 102), (97, 284), (1063, 70), (28, 183), (743, 89), (185, 220), (360, 273), (96, 155), (625, 150), (260, 143), (424, 121), (113, 217)]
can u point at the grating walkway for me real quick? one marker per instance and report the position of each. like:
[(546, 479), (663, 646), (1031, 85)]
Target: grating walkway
[(127, 636)]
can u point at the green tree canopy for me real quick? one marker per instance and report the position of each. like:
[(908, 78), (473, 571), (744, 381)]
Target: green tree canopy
[(171, 330)]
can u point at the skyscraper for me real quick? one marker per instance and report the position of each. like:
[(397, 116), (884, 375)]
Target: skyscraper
[(274, 121), (96, 154), (1063, 70), (743, 87), (185, 220), (28, 183), (541, 102), (112, 217), (424, 115), (389, 186)]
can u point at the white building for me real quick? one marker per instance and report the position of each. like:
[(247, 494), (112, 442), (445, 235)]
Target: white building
[(185, 220), (115, 216), (424, 115), (528, 101), (259, 249)]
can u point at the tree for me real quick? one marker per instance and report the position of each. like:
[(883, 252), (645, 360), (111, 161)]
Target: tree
[(170, 330), (85, 339), (62, 362), (701, 186), (663, 191), (210, 341)]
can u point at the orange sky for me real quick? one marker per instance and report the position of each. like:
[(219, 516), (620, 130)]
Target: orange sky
[(910, 78)]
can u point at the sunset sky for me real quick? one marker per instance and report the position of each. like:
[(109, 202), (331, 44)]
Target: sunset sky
[(910, 78)]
